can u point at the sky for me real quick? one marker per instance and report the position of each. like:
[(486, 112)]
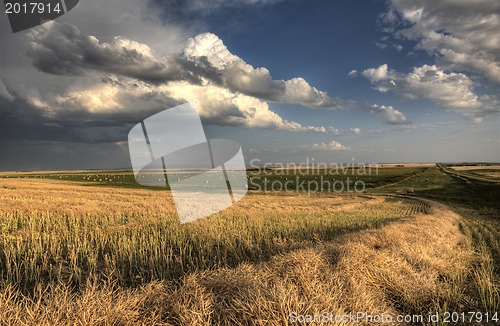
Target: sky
[(291, 80)]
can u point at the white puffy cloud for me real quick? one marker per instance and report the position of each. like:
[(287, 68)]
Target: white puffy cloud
[(389, 114), (220, 106), (225, 89), (62, 49), (463, 37), (211, 47), (376, 74), (331, 146), (462, 34), (237, 75), (451, 91), (215, 105), (355, 131), (113, 95)]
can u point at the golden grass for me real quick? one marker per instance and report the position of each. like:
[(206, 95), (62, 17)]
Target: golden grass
[(53, 231), (483, 172), (472, 167), (110, 256), (26, 196)]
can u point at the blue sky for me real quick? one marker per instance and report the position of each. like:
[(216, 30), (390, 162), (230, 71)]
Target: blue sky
[(377, 81)]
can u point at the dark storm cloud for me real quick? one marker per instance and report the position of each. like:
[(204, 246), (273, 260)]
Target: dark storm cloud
[(61, 49), (20, 119), (37, 138), (25, 155)]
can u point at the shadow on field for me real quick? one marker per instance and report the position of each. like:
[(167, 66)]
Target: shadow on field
[(473, 195), (478, 203), (209, 254)]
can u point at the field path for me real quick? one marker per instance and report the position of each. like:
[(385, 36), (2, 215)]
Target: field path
[(402, 267), (404, 262), (466, 177)]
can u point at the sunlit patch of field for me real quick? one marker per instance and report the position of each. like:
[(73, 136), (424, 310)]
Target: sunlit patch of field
[(308, 261), (479, 209), (482, 228), (478, 173), (493, 174), (53, 231), (107, 252), (474, 167)]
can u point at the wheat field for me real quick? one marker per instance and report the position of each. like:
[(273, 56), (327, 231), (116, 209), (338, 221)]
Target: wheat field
[(74, 254)]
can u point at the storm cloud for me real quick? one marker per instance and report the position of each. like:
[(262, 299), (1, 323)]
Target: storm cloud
[(62, 49)]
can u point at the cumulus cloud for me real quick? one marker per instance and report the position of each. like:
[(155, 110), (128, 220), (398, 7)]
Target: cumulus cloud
[(389, 114), (222, 107), (331, 146), (112, 95), (32, 119), (224, 88), (62, 49), (463, 35), (355, 131), (218, 106), (451, 91), (376, 74), (235, 74)]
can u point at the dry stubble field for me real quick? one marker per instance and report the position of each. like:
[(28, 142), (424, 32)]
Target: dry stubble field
[(74, 254)]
